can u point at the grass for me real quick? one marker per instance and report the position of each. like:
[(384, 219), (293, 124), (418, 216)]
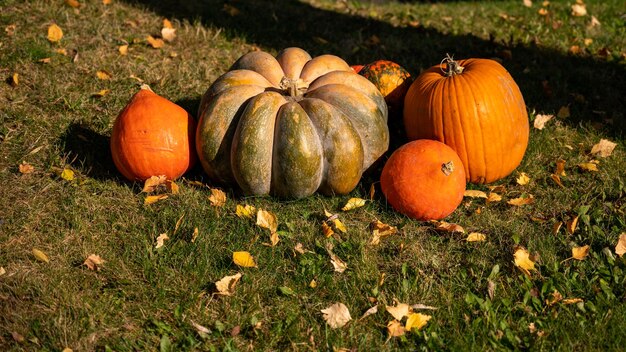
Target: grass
[(146, 299)]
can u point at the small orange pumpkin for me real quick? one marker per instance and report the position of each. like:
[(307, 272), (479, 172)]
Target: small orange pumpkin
[(153, 136), (475, 107), (391, 79), (424, 180)]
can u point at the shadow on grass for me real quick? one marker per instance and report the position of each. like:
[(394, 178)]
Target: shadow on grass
[(89, 151), (548, 79)]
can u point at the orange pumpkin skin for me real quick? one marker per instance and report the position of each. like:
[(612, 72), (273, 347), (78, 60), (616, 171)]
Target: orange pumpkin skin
[(391, 79), (424, 180), (153, 136), (479, 112)]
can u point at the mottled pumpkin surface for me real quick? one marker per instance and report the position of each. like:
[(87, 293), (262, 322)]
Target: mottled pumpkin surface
[(291, 125), (479, 112), (391, 79)]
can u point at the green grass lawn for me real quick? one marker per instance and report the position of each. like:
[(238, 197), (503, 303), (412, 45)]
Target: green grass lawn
[(148, 298)]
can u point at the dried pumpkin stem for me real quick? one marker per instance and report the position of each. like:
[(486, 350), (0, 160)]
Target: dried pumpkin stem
[(447, 168), (293, 87), (453, 68)]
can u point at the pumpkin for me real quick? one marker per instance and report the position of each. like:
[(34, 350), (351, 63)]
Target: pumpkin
[(423, 179), (153, 136), (391, 79), (475, 107), (357, 68), (291, 125)]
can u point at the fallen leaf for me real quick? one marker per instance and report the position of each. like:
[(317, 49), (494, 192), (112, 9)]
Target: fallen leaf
[(299, 248), (493, 197), (416, 321), (522, 179), (556, 227), (45, 60), (560, 167), (543, 11), (245, 211), (572, 300), (55, 33), (594, 22), (372, 191), (491, 289), (101, 93), (156, 43), (313, 284), (448, 227), (327, 230), (476, 237), (369, 312), (168, 32), (106, 2), (266, 220), (226, 285), (167, 23), (522, 260), (40, 255), (590, 166), (603, 149), (26, 168), (399, 311), (557, 180), (103, 75), (579, 10), (244, 259), (339, 265), (2, 271), (563, 112), (67, 174), (556, 298), (340, 226), (153, 183), (521, 201), (620, 247), (153, 199), (572, 224), (380, 230), (423, 306), (337, 315), (93, 262), (353, 203), (580, 253), (172, 187), (61, 51), (160, 240), (195, 234), (527, 3), (202, 331), (274, 239), (395, 328), (14, 80), (123, 49), (474, 194), (10, 30), (217, 197)]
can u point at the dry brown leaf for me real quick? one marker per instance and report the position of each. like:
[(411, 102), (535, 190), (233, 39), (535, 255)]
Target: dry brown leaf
[(195, 234), (472, 193), (590, 166), (153, 199), (521, 201), (339, 265), (156, 43), (580, 253), (543, 11), (560, 167), (217, 197), (579, 10), (337, 315), (353, 203), (160, 240), (244, 259), (522, 179), (399, 311), (603, 149), (620, 247), (299, 248), (274, 239), (123, 49), (103, 75), (556, 298), (45, 60), (55, 33), (26, 168), (448, 227), (395, 328), (93, 262), (369, 312), (556, 227), (416, 321), (522, 260), (14, 80), (40, 255), (153, 183), (476, 237), (267, 220), (327, 231), (541, 120), (2, 271), (226, 285), (594, 22), (202, 330), (557, 180), (372, 191), (245, 211), (380, 230), (10, 30), (572, 300), (563, 112), (572, 224)]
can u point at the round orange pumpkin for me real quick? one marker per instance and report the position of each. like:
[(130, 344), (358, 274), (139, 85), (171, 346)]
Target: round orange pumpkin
[(424, 179), (391, 79), (153, 136), (475, 107)]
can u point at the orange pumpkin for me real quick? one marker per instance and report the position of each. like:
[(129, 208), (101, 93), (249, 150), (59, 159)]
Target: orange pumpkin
[(424, 179), (391, 79), (475, 107), (152, 136)]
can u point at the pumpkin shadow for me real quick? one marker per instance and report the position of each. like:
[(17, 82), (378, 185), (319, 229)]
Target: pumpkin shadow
[(89, 151)]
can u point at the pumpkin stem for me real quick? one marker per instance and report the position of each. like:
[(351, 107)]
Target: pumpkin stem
[(453, 67), (447, 168), (294, 87)]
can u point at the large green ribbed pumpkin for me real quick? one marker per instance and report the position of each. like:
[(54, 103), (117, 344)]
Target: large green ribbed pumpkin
[(291, 125)]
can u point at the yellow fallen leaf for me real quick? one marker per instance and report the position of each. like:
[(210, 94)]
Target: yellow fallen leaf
[(493, 197), (472, 193), (156, 43), (380, 230), (543, 11), (123, 49), (522, 179), (55, 33), (61, 51), (557, 180), (572, 300), (340, 226), (563, 112), (572, 224), (594, 22), (101, 93), (106, 2), (274, 239), (267, 220), (522, 260), (556, 298), (395, 328), (448, 227), (476, 237), (153, 183), (217, 197), (560, 167), (2, 271), (245, 211), (327, 231), (521, 201), (178, 223), (14, 80), (195, 234), (528, 3), (590, 166), (67, 174), (620, 247), (337, 315), (73, 3), (556, 227), (168, 33), (40, 255), (580, 253), (313, 284), (93, 262), (226, 285), (353, 203), (399, 311), (160, 240), (103, 75), (153, 199), (26, 168), (243, 259), (167, 23), (604, 148), (579, 10), (416, 321), (541, 120), (172, 187)]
